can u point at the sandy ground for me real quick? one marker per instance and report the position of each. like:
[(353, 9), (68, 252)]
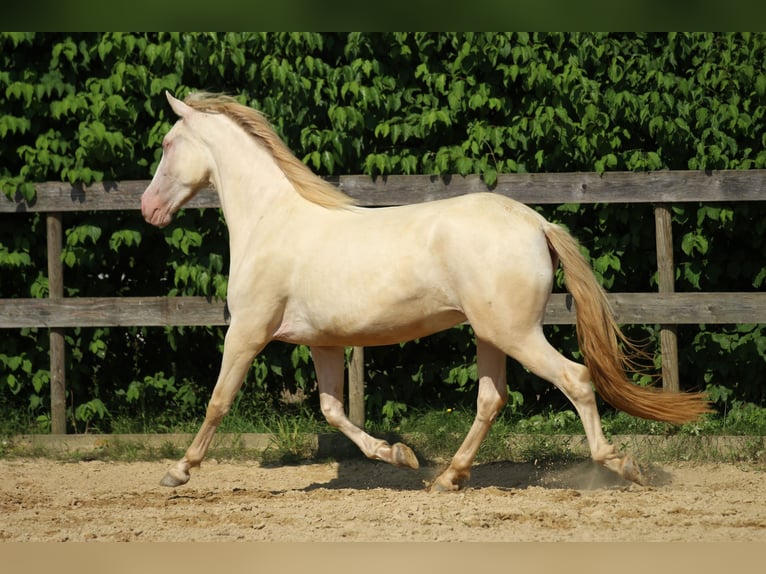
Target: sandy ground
[(360, 500)]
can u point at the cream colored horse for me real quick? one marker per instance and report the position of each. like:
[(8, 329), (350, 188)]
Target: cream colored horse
[(310, 267)]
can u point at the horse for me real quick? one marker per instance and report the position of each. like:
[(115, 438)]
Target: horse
[(309, 266)]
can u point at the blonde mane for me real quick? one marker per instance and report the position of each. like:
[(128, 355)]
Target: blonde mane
[(306, 183)]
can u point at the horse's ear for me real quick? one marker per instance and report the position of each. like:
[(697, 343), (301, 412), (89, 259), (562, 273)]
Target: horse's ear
[(181, 109)]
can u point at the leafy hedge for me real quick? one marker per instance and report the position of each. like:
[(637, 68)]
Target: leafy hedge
[(86, 107)]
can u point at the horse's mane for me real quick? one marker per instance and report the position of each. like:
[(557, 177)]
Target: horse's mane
[(306, 182)]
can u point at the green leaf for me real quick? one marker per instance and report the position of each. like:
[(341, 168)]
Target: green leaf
[(69, 258), (759, 278), (128, 237), (692, 242)]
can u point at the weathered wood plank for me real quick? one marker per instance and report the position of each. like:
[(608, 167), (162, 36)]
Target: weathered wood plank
[(111, 312), (630, 308), (533, 188), (554, 188), (54, 238), (356, 387), (106, 196), (670, 308), (666, 280)]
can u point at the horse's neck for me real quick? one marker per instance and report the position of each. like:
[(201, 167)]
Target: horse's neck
[(250, 184)]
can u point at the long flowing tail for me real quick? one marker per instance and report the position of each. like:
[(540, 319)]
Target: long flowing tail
[(603, 344)]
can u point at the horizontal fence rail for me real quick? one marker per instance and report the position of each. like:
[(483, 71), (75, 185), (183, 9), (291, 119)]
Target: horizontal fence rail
[(661, 189), (629, 308), (531, 188)]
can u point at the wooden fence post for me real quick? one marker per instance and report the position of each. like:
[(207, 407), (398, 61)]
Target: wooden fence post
[(356, 387), (666, 280), (54, 232)]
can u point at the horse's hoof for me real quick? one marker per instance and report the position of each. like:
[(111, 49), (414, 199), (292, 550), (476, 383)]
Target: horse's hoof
[(173, 479), (403, 456), (444, 484), (631, 470), (439, 486)]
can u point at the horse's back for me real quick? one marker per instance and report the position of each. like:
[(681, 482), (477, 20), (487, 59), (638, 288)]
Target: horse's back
[(480, 233), (402, 272)]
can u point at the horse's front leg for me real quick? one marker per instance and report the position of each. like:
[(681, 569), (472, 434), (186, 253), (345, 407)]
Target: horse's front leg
[(330, 368), (239, 350)]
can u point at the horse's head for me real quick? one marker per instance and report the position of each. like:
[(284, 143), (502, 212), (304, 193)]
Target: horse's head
[(183, 170)]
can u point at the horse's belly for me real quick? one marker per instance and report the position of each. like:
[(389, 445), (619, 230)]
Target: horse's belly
[(369, 330)]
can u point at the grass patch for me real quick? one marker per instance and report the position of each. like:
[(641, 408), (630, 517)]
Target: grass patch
[(125, 451), (288, 444), (436, 435), (739, 436)]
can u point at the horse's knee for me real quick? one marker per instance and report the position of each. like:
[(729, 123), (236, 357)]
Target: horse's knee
[(491, 400), (488, 409), (216, 410)]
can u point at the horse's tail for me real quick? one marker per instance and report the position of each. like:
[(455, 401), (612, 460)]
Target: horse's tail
[(604, 345)]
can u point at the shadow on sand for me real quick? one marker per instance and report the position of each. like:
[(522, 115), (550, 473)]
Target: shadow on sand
[(356, 472)]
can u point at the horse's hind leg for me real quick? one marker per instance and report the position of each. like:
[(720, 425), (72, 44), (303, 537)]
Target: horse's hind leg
[(330, 368), (493, 394), (573, 379)]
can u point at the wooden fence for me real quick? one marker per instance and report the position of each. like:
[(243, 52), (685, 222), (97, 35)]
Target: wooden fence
[(661, 189)]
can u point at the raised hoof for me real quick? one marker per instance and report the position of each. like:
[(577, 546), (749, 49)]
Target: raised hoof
[(174, 479), (631, 470), (403, 456)]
